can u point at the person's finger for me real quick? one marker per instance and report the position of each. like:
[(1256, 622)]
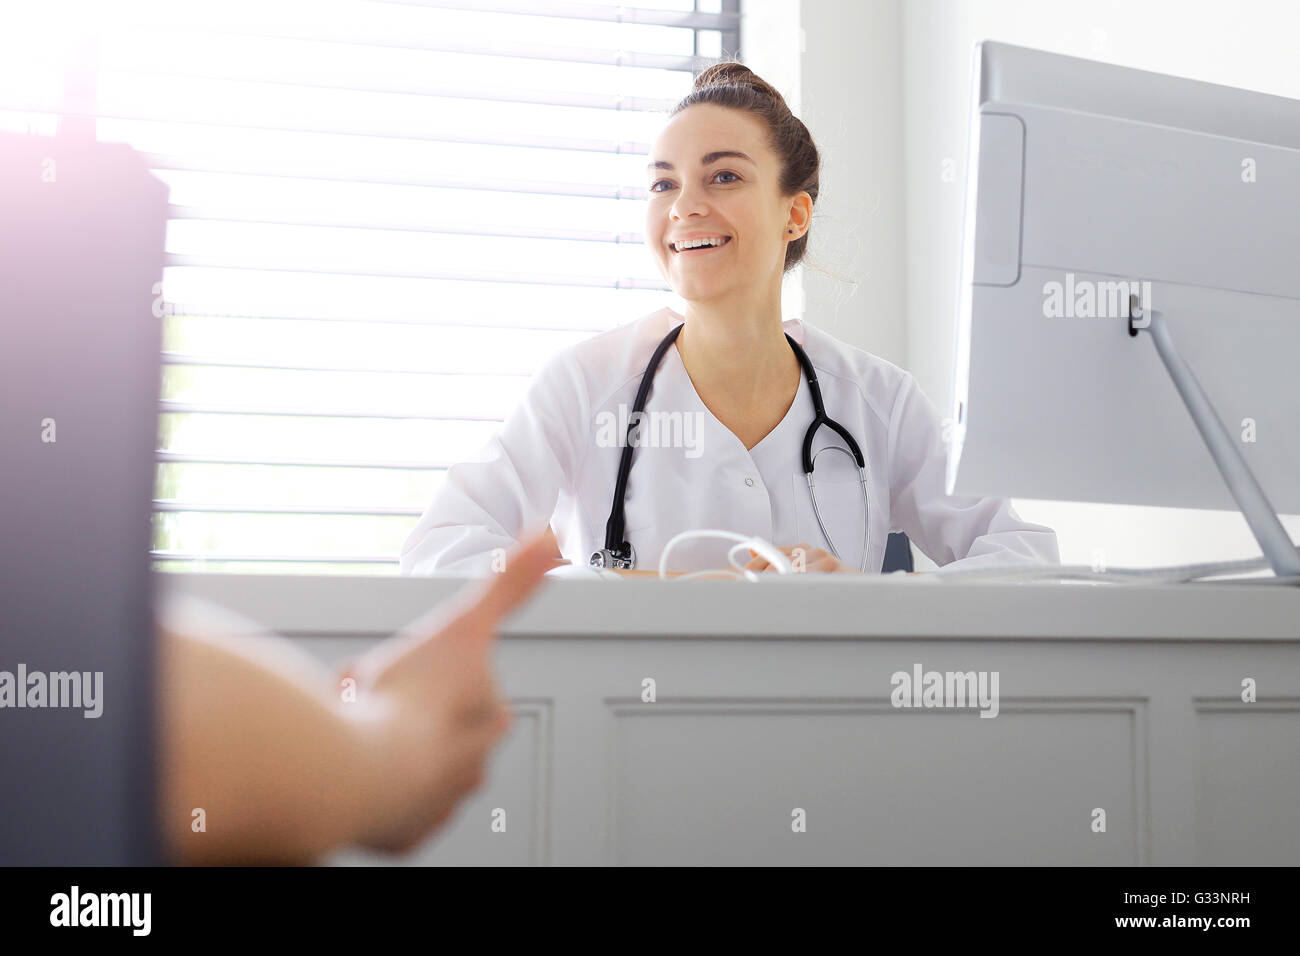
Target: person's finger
[(480, 611), (470, 618)]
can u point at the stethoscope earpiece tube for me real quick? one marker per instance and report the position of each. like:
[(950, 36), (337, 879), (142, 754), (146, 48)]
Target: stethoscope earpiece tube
[(618, 553)]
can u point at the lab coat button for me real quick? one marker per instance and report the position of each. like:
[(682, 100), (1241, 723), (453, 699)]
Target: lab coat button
[(750, 482)]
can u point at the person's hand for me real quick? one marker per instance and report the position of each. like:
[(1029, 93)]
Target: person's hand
[(439, 712), (815, 559)]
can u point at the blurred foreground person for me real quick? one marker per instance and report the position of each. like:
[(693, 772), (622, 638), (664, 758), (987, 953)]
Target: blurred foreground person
[(266, 758)]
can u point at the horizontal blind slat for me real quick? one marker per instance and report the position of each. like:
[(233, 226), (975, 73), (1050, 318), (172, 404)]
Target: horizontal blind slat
[(194, 311), (200, 556), (197, 408), (695, 19), (559, 54), (83, 110), (419, 26), (181, 359), (267, 166), (598, 101), (589, 282), (171, 457), (211, 508), (566, 235)]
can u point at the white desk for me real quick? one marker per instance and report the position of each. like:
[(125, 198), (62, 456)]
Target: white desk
[(776, 696)]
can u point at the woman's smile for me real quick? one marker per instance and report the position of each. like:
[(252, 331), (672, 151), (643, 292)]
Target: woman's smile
[(701, 251)]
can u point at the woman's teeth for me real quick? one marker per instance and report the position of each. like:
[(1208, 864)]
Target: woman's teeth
[(692, 244)]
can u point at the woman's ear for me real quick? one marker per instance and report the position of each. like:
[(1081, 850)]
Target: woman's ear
[(801, 213)]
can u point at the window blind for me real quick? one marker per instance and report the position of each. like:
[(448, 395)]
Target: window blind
[(386, 214)]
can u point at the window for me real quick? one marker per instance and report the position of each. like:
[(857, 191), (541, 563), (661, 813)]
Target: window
[(385, 217)]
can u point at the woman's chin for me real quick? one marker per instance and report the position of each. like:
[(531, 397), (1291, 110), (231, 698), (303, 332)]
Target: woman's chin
[(699, 290)]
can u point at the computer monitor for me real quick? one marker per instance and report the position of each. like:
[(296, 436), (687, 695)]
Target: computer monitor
[(1082, 176)]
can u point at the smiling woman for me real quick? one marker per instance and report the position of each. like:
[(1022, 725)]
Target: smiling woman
[(733, 177)]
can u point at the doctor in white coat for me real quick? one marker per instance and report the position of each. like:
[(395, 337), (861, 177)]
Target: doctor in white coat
[(720, 441)]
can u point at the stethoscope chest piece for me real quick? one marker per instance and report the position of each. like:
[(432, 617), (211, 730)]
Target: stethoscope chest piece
[(606, 558)]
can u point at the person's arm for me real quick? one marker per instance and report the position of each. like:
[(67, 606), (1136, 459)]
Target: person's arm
[(513, 483), (953, 530), (258, 735)]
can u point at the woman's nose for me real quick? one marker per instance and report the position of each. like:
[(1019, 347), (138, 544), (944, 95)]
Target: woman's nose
[(689, 200)]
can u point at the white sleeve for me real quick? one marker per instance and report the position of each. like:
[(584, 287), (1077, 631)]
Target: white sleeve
[(956, 530), (512, 485)]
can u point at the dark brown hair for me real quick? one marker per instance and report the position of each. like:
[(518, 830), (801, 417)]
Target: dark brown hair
[(735, 85)]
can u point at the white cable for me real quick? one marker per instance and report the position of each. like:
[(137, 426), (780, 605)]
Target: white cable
[(765, 549)]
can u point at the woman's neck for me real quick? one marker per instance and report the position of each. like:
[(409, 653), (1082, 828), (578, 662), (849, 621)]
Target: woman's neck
[(745, 357)]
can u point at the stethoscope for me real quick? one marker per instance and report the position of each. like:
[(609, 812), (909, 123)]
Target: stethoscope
[(618, 553)]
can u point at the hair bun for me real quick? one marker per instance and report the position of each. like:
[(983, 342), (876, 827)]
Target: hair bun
[(732, 73)]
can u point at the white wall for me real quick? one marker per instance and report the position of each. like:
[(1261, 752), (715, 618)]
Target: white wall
[(852, 103), (770, 43), (838, 66), (885, 88)]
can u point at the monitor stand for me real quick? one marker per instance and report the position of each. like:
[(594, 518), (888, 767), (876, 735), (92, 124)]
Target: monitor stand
[(1260, 515)]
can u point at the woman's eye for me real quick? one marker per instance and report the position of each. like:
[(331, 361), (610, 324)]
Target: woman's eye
[(724, 172)]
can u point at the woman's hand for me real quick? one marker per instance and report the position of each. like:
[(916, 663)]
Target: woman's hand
[(813, 559)]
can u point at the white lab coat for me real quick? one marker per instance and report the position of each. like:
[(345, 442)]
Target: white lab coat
[(553, 459)]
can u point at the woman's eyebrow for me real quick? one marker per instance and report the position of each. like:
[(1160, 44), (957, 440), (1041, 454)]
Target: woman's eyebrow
[(705, 159)]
